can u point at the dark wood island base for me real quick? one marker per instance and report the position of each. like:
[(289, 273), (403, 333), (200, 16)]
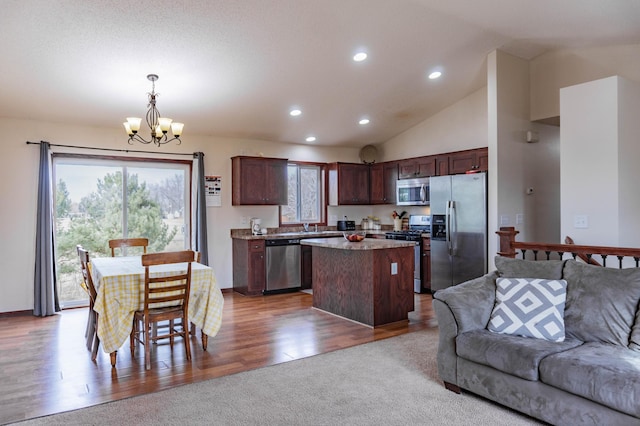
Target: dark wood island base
[(370, 282)]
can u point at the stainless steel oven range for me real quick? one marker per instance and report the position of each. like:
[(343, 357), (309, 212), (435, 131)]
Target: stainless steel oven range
[(419, 226)]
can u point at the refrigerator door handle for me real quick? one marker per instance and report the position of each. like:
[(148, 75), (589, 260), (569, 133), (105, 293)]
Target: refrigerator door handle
[(453, 238), (448, 226)]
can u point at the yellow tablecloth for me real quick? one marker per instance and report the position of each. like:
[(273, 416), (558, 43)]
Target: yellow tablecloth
[(120, 285)]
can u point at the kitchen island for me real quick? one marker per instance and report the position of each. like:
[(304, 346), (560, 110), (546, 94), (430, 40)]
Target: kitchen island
[(370, 282)]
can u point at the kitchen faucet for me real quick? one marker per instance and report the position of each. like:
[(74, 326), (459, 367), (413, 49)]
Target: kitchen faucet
[(306, 227)]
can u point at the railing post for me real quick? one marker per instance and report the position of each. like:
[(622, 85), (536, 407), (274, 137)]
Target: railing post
[(507, 238)]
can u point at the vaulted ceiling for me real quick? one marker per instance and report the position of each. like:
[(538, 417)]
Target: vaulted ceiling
[(235, 68)]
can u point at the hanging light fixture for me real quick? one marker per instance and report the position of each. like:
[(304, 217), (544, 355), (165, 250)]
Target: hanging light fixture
[(159, 125)]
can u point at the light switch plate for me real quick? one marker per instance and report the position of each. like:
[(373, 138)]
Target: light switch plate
[(394, 269), (581, 221)]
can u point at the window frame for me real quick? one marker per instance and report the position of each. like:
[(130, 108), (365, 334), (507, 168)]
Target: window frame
[(323, 195), (126, 163)]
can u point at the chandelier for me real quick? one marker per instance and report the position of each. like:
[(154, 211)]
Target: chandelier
[(159, 125)]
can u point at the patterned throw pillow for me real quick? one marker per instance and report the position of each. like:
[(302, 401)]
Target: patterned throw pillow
[(529, 307)]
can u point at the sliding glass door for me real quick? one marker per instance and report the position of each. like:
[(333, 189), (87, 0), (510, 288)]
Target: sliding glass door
[(101, 199)]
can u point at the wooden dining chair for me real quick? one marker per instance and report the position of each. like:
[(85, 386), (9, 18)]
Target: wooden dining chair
[(128, 242), (197, 257), (165, 298), (91, 334)]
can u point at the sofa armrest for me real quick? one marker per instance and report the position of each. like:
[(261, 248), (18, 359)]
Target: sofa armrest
[(447, 332), (460, 308), (471, 302)]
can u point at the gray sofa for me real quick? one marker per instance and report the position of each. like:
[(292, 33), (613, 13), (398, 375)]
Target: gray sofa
[(590, 377)]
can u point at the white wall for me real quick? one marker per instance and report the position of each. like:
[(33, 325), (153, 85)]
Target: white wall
[(19, 181), (599, 154), (462, 125), (562, 68), (509, 168), (543, 159), (628, 161)]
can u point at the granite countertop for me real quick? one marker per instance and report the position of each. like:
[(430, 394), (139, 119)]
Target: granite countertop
[(298, 234), (366, 244)]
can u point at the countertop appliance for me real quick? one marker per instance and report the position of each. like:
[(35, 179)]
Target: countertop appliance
[(255, 224), (412, 192), (346, 225), (283, 265), (458, 228), (419, 226)]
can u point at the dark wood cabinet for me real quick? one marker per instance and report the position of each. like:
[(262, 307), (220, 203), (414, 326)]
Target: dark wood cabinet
[(425, 265), (360, 285), (382, 180), (417, 167), (258, 181), (483, 160), (348, 184), (249, 276), (442, 165), (473, 159), (307, 265)]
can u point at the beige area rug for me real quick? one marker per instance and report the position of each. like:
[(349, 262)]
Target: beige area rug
[(388, 382)]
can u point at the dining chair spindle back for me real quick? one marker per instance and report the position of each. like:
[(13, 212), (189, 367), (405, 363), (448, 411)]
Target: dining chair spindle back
[(121, 243), (91, 334), (171, 290)]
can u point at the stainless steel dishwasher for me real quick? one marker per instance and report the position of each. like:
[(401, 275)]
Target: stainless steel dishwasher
[(283, 265)]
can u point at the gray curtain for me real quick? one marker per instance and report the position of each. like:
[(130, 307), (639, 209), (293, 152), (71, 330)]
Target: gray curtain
[(201, 212), (45, 300)]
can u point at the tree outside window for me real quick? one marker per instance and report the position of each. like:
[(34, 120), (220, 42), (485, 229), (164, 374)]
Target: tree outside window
[(305, 195), (89, 201)]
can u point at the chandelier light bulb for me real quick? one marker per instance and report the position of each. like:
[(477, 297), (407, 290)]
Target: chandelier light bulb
[(134, 123), (176, 129), (164, 124)]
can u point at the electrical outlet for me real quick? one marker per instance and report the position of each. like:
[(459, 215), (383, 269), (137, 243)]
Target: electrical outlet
[(243, 220), (581, 221), (394, 269)]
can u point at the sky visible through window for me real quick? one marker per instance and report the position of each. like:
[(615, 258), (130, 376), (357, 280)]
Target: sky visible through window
[(81, 180)]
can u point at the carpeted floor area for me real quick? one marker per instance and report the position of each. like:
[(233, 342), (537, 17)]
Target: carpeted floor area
[(390, 382)]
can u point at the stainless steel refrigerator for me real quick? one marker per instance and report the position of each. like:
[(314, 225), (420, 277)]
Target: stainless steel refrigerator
[(458, 228)]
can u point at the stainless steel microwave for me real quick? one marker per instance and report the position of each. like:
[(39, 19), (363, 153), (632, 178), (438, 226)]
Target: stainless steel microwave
[(412, 192)]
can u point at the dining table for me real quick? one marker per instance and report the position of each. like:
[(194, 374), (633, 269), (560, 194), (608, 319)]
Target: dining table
[(119, 284)]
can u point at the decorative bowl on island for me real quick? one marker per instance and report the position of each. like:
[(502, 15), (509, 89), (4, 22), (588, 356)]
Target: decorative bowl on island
[(354, 236)]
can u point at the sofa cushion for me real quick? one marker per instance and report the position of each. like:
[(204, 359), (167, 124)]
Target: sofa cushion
[(634, 339), (515, 268), (529, 307), (515, 355), (604, 373), (601, 302)]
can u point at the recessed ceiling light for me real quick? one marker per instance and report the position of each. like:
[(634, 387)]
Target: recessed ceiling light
[(435, 75), (295, 112), (310, 139), (360, 56), (364, 121)]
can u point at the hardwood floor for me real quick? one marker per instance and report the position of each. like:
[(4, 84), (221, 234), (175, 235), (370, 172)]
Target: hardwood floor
[(45, 367)]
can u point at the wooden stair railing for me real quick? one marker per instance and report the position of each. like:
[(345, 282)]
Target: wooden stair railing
[(589, 260), (509, 247)]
